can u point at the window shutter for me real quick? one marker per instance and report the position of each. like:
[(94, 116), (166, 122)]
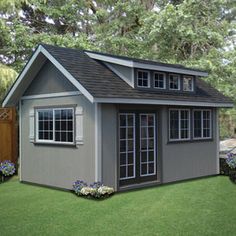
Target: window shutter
[(79, 125), (31, 125)]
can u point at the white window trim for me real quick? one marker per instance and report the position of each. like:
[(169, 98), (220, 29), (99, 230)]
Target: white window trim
[(154, 149), (178, 82), (202, 138), (53, 141), (188, 76), (134, 148), (149, 84), (164, 77), (179, 117)]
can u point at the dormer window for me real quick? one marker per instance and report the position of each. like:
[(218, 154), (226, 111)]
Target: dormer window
[(159, 80), (174, 82), (188, 83), (143, 79)]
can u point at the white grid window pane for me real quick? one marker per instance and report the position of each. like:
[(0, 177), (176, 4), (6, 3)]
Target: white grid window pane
[(202, 124), (143, 79), (159, 80), (147, 144), (63, 125), (127, 145), (174, 82), (179, 124), (188, 83), (45, 125)]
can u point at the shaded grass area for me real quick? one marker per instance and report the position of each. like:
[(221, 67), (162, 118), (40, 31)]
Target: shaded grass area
[(199, 207)]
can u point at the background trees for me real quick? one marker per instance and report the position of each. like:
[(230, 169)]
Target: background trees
[(195, 33)]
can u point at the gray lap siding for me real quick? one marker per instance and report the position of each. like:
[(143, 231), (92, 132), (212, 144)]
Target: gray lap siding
[(58, 165)]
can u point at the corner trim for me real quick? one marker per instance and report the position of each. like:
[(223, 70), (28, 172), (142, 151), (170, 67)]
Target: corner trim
[(98, 143), (20, 140), (51, 95)]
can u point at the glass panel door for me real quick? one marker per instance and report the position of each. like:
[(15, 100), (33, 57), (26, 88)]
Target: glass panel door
[(127, 145), (147, 147)]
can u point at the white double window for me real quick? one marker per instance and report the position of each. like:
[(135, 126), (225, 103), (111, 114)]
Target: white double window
[(179, 124), (55, 125)]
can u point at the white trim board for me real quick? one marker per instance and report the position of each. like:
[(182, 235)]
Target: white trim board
[(51, 95), (98, 143), (42, 50), (20, 141), (130, 63), (161, 102)]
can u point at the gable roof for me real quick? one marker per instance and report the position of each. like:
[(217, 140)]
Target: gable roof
[(99, 84)]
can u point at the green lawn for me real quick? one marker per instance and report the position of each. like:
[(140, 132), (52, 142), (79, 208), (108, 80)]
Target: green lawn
[(199, 207)]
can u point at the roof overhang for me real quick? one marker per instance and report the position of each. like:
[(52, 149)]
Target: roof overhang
[(163, 102), (30, 70), (133, 64)]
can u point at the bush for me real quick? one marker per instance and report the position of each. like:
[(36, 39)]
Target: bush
[(231, 161), (224, 167), (7, 168), (96, 190)]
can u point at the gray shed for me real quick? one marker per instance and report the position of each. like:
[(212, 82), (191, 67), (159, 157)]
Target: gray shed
[(126, 122)]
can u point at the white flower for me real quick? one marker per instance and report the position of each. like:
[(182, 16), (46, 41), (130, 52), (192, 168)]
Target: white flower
[(105, 190), (87, 190)]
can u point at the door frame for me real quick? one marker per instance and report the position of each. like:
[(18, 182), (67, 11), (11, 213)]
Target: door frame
[(158, 165)]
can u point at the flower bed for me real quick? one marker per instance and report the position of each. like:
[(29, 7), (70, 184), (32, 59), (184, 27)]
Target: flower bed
[(7, 169), (96, 190)]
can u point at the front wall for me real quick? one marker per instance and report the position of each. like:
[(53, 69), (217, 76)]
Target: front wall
[(56, 165), (178, 161)]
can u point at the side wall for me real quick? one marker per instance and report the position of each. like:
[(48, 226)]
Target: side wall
[(56, 165)]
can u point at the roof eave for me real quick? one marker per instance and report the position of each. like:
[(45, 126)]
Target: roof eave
[(133, 64), (163, 102)]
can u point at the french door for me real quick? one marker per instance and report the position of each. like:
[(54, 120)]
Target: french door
[(137, 147)]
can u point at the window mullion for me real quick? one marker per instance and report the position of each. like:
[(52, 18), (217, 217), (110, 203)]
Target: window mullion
[(53, 124), (179, 124), (202, 124)]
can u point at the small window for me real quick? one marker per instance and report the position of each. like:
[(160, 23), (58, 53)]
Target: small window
[(159, 80), (55, 125), (174, 83), (179, 124), (202, 124), (143, 79), (188, 83)]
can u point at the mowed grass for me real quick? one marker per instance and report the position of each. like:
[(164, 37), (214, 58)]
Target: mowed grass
[(198, 207)]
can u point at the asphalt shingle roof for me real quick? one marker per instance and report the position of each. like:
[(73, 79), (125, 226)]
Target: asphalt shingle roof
[(101, 82)]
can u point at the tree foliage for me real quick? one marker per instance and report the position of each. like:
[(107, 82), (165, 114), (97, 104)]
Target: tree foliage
[(195, 33)]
